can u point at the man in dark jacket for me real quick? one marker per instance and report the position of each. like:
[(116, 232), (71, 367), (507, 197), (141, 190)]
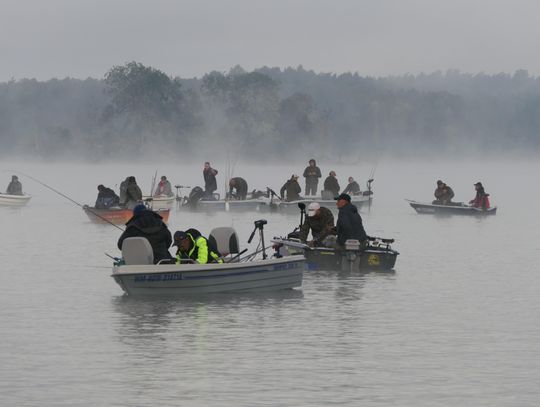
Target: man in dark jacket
[(312, 173), (292, 189), (352, 187), (210, 182), (148, 224), (321, 223), (331, 184), (106, 198), (133, 193), (14, 187), (349, 223), (239, 186)]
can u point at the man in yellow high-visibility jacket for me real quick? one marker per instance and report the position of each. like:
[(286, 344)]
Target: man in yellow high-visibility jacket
[(191, 245)]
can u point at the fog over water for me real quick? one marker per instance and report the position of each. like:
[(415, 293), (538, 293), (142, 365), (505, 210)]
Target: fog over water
[(456, 323)]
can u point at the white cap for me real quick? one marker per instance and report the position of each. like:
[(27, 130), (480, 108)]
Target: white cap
[(312, 208)]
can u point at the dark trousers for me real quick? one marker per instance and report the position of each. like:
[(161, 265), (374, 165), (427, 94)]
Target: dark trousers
[(311, 187)]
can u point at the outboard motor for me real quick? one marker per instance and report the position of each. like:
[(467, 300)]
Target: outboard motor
[(351, 255), (196, 194)]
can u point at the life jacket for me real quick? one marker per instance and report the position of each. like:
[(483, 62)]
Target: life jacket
[(201, 251), (481, 201)]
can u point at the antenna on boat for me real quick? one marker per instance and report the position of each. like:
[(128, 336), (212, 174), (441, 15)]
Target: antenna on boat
[(85, 207)]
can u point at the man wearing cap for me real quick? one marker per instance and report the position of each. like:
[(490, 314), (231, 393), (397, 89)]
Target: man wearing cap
[(312, 173), (193, 246), (331, 184), (443, 194), (148, 224), (291, 188), (321, 223), (164, 187), (481, 200), (349, 223), (14, 187)]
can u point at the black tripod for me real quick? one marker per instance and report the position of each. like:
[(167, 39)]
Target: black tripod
[(259, 224)]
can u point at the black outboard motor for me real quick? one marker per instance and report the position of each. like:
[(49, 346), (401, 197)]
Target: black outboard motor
[(195, 196), (295, 234)]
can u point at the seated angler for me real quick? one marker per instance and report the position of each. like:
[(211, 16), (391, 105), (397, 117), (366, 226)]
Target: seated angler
[(321, 223), (352, 187), (290, 191), (14, 187), (443, 194), (481, 200), (349, 223), (193, 246), (148, 224), (106, 198)]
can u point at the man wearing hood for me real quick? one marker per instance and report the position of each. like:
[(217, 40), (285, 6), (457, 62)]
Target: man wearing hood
[(349, 223), (331, 184), (148, 224), (312, 173), (106, 198), (14, 187), (133, 193)]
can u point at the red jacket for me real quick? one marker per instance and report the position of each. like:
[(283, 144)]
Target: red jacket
[(480, 201)]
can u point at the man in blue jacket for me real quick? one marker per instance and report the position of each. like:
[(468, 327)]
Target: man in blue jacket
[(349, 223)]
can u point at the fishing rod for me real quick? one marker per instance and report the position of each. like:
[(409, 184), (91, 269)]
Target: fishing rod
[(85, 207)]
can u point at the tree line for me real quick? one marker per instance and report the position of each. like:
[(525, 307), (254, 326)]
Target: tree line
[(268, 113)]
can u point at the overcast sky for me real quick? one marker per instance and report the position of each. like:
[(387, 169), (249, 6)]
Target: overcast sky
[(80, 38)]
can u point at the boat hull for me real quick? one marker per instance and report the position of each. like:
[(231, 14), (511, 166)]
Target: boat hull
[(358, 201), (160, 202), (459, 209), (373, 258), (118, 216), (193, 279), (255, 205), (14, 200)]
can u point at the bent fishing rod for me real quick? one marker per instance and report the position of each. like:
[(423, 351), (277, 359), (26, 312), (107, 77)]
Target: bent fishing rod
[(68, 198)]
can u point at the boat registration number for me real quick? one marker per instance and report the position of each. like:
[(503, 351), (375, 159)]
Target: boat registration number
[(150, 278)]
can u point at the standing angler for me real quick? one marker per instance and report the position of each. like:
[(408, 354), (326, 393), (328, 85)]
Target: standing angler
[(312, 173), (210, 182), (331, 184)]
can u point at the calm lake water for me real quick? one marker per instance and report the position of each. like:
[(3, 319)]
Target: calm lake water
[(456, 324)]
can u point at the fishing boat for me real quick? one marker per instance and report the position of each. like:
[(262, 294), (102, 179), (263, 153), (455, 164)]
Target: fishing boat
[(14, 200), (357, 200), (117, 215), (378, 255), (137, 275), (457, 208), (258, 201)]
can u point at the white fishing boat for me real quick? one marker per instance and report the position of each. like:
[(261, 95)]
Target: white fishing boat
[(137, 275), (14, 200)]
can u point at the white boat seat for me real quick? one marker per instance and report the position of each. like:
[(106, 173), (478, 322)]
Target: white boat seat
[(225, 240), (137, 250)]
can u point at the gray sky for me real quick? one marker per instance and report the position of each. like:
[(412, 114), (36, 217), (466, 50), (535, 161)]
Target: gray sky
[(76, 38)]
